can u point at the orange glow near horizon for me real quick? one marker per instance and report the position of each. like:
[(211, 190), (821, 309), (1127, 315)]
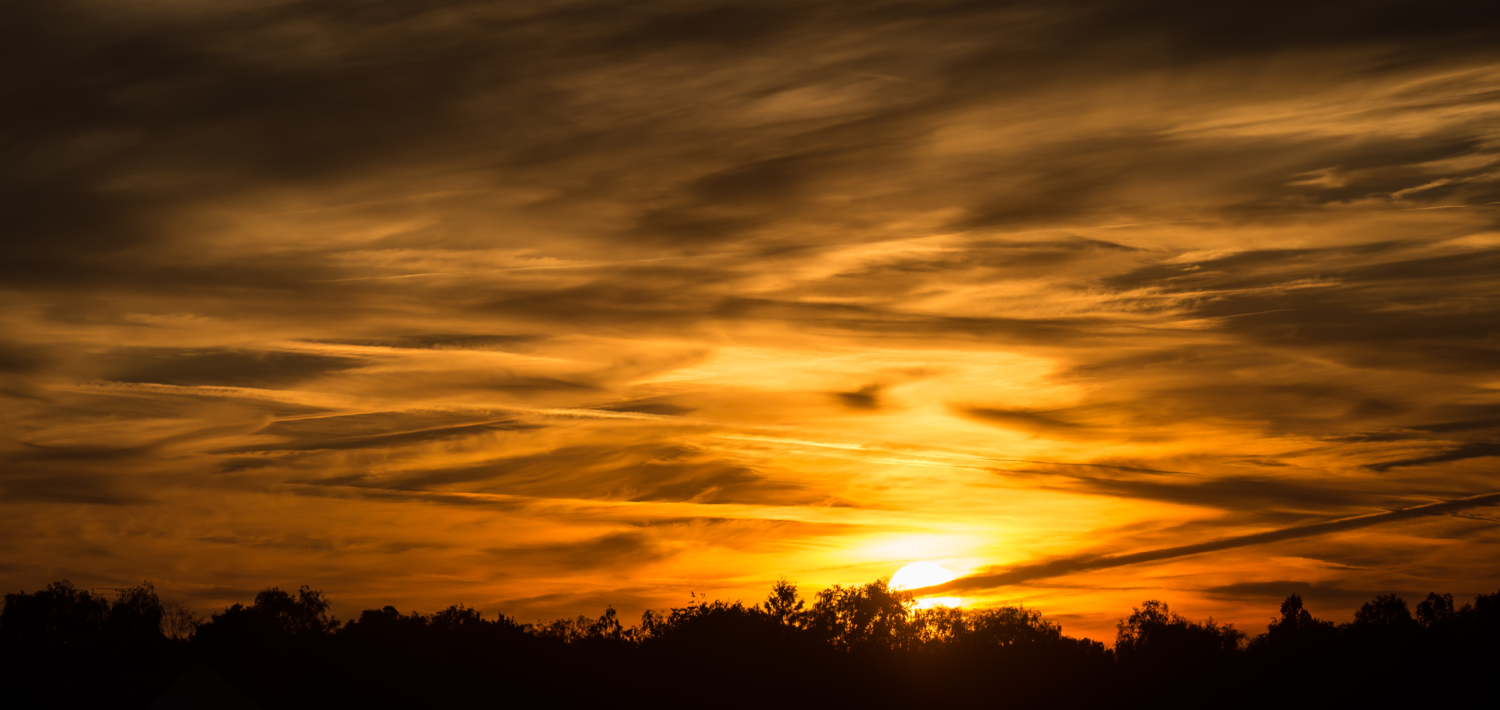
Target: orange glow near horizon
[(809, 296)]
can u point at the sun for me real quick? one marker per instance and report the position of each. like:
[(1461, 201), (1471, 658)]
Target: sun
[(925, 574)]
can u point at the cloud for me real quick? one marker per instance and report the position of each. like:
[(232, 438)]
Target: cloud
[(867, 397), (1236, 493), (446, 341), (615, 550), (221, 367), (1021, 419), (653, 406), (1084, 563), (638, 472), (25, 486), (1462, 453), (375, 431), (1311, 593), (278, 270), (21, 359)]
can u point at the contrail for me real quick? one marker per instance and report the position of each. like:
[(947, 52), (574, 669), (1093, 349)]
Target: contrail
[(1084, 563)]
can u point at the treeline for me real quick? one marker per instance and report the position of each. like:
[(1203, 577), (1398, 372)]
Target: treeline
[(864, 645)]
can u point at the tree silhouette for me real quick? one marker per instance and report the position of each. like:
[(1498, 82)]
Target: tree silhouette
[(60, 615), (178, 621), (275, 648), (1155, 634), (864, 645), (1295, 631), (868, 617), (1436, 611), (1294, 618), (1154, 641), (1385, 612), (1482, 617), (56, 641), (135, 616), (784, 604)]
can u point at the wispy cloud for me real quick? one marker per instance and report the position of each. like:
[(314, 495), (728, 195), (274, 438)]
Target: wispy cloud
[(980, 283), (1085, 563)]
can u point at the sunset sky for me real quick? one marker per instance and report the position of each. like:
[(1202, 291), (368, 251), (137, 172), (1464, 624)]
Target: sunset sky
[(543, 306)]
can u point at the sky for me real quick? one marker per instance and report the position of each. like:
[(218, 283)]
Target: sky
[(544, 306)]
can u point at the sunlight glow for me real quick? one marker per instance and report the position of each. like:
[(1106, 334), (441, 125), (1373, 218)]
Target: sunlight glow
[(925, 574)]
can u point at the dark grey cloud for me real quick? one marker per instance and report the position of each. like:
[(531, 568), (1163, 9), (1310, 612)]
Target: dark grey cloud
[(735, 201), (1258, 235), (138, 404), (1456, 426), (20, 358), (1187, 391), (197, 95), (612, 551), (638, 472), (655, 405), (446, 341), (867, 397), (662, 299), (374, 431), (1461, 453), (1244, 270), (1021, 419), (1349, 317), (1314, 594), (246, 463), (725, 28), (879, 323), (343, 426), (80, 452), (23, 485), (1172, 32), (976, 261), (1255, 495), (222, 367), (521, 384), (201, 89), (1084, 563), (1294, 392), (354, 487)]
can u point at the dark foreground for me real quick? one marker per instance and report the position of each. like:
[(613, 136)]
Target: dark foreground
[(857, 646)]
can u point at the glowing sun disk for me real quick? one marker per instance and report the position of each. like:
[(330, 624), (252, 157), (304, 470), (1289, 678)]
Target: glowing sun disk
[(925, 574)]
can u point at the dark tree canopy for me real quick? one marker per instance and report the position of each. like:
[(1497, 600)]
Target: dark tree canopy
[(865, 645)]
